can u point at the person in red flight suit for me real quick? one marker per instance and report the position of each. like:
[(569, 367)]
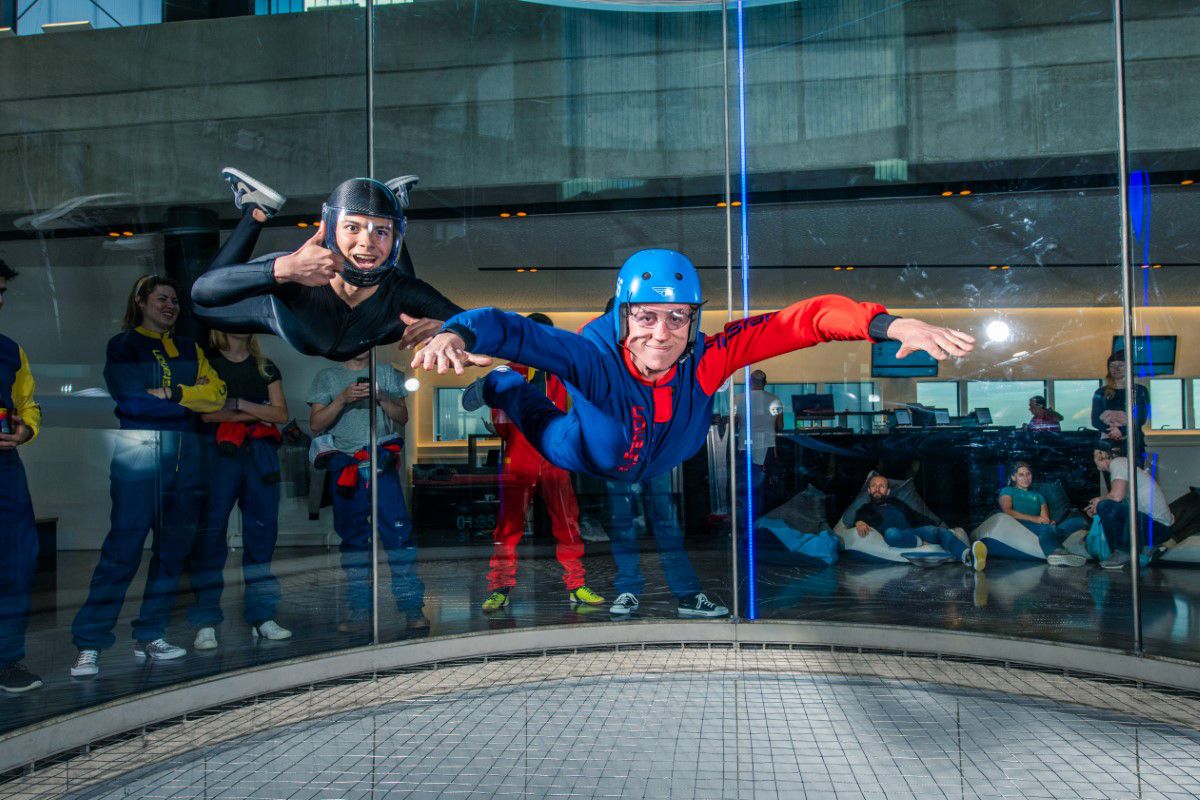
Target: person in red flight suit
[(525, 470)]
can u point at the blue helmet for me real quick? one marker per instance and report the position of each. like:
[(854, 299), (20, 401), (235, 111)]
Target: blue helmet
[(657, 276), (369, 198)]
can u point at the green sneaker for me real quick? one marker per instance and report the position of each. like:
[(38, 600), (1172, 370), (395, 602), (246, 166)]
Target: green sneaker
[(496, 600), (585, 596)]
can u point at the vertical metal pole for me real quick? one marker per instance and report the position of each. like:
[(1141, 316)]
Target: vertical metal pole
[(728, 197), (373, 396), (1127, 321)]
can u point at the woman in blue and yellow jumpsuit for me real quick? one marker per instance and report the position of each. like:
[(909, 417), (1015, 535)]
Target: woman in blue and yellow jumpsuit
[(161, 384)]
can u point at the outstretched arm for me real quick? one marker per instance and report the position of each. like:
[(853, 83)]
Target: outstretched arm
[(311, 265), (819, 319), (489, 331)]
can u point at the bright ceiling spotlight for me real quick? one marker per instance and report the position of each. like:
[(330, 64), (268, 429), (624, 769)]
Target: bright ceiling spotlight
[(998, 331)]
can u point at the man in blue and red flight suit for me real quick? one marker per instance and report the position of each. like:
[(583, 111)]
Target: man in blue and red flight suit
[(642, 377), (20, 418)]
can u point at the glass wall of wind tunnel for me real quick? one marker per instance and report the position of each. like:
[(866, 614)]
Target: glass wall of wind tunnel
[(1160, 69), (113, 174), (552, 141), (955, 167)]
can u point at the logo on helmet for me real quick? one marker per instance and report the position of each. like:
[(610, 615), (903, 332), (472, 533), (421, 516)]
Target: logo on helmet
[(666, 292)]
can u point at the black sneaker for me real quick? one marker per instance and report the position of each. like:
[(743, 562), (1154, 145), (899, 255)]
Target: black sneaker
[(625, 604), (15, 679), (698, 605), (248, 191)]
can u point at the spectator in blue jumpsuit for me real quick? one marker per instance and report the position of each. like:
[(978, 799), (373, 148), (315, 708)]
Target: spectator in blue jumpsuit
[(642, 376), (161, 385), (243, 470), (20, 419)]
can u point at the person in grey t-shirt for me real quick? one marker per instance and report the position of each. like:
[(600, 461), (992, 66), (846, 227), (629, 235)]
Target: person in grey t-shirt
[(339, 406)]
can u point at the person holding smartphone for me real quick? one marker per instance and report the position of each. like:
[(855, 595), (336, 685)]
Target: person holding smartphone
[(341, 419)]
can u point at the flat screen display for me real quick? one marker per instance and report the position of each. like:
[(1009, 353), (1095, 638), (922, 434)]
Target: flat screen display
[(983, 416), (884, 363), (903, 416), (941, 416), (812, 406), (1151, 354)]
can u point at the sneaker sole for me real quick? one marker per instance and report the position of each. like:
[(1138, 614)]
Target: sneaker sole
[(22, 689), (205, 645), (622, 612), (268, 194), (84, 673), (138, 654), (255, 634), (1066, 561), (979, 556), (704, 614)]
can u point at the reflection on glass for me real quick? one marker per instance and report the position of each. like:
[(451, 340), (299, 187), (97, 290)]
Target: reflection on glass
[(1110, 413), (1073, 401), (938, 394), (1166, 410), (1007, 400)]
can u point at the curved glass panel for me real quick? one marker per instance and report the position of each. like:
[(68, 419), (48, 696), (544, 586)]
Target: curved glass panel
[(956, 167), (1160, 72), (553, 141), (162, 544)]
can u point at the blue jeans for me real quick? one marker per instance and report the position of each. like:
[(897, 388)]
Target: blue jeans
[(18, 564), (238, 478), (351, 520), (156, 485), (658, 503), (1114, 517), (1050, 538), (911, 537)]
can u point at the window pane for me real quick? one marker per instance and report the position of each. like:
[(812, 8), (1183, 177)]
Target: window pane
[(857, 397), (939, 394), (1073, 399), (785, 392), (1166, 404), (451, 423), (1008, 400)]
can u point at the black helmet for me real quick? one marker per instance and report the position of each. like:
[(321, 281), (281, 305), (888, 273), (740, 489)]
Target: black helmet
[(369, 198)]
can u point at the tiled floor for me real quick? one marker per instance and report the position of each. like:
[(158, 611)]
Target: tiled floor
[(1085, 606), (683, 723)]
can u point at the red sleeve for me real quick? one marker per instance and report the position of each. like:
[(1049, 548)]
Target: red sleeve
[(826, 318), (556, 392)]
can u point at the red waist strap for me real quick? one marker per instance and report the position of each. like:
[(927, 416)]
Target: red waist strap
[(348, 478)]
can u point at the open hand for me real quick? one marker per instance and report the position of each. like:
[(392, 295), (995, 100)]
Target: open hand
[(445, 351), (419, 331), (312, 265), (862, 528), (941, 343)]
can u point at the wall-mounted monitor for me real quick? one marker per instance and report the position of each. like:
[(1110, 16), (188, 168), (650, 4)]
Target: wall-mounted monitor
[(885, 364), (1151, 354), (812, 406), (941, 416)]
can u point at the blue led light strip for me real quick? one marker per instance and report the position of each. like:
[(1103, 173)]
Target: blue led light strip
[(752, 607)]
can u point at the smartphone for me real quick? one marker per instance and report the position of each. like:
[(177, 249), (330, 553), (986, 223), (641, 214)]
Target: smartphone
[(363, 380)]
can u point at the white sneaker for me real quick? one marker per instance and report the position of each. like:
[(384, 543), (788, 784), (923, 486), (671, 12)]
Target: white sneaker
[(270, 630), (86, 664), (1062, 558), (158, 650), (625, 604), (979, 555), (400, 187), (206, 639), (253, 192)]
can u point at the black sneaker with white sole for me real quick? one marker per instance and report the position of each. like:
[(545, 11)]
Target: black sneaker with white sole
[(625, 604), (248, 191), (15, 679), (698, 605)]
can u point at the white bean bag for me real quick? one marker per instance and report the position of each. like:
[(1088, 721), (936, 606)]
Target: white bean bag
[(1186, 552), (1006, 537), (874, 548)]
